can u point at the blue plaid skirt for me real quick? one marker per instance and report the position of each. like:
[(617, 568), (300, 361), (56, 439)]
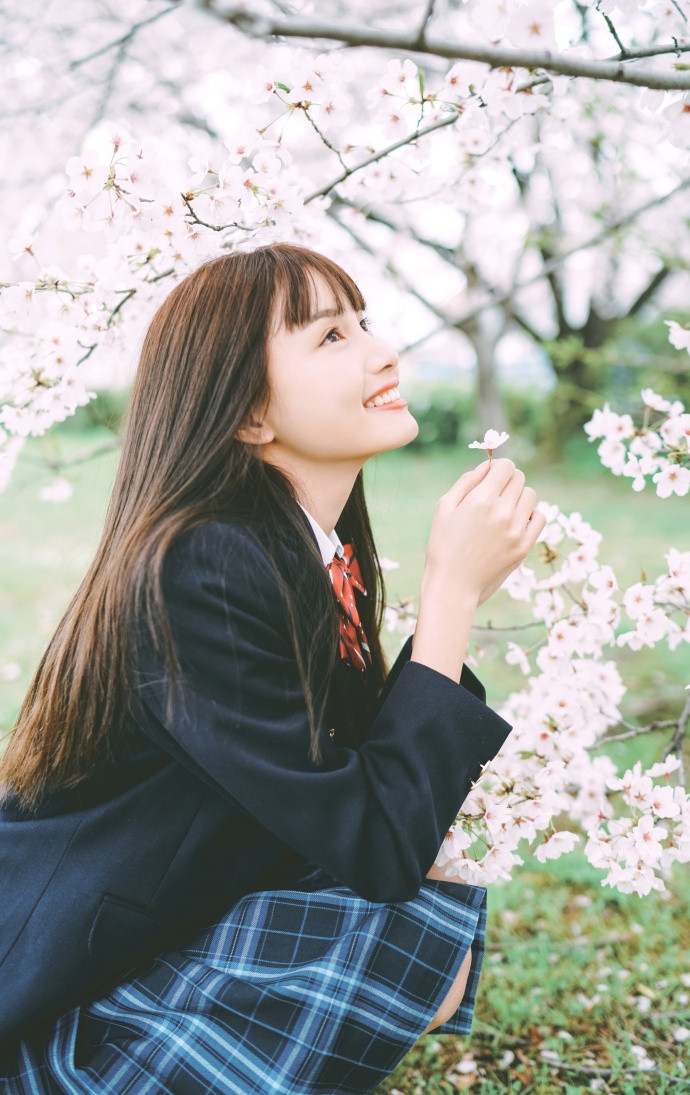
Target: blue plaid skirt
[(291, 992)]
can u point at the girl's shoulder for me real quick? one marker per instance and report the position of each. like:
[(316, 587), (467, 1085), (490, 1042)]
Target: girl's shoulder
[(219, 541), (229, 551), (229, 561)]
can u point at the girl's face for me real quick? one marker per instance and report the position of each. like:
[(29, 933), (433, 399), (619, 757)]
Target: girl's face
[(324, 378)]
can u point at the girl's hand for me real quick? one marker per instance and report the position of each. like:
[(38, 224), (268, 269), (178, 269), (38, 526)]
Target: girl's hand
[(482, 529)]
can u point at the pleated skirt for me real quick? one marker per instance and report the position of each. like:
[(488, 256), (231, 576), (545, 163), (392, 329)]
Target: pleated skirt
[(314, 993)]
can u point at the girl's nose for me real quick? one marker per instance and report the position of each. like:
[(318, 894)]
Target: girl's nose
[(383, 355)]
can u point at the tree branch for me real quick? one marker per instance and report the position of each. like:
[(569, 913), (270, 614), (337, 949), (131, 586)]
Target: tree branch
[(329, 145), (593, 241), (409, 139), (443, 250), (512, 627), (524, 324), (614, 35), (426, 18), (649, 290), (675, 746), (263, 26), (635, 731), (124, 38), (404, 282)]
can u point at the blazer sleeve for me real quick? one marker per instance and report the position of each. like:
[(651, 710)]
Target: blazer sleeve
[(467, 678), (373, 818)]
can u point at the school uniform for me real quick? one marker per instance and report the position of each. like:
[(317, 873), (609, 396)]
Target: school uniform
[(211, 911)]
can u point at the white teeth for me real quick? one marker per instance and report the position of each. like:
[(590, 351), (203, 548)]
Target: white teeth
[(387, 397)]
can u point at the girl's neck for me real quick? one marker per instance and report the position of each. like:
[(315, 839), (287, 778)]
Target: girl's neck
[(323, 490)]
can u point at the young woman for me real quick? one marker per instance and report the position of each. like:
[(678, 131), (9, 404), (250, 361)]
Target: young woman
[(219, 812)]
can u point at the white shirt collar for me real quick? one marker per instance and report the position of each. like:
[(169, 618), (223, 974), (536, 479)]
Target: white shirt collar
[(328, 545)]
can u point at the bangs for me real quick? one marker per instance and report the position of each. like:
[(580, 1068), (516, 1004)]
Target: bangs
[(296, 293)]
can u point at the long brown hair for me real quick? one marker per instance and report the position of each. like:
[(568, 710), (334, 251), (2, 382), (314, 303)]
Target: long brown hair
[(202, 372)]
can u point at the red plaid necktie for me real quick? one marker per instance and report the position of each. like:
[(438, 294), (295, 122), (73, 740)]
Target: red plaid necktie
[(346, 577)]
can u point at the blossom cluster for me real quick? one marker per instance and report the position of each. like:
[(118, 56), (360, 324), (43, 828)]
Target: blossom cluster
[(658, 448), (154, 233), (548, 768)]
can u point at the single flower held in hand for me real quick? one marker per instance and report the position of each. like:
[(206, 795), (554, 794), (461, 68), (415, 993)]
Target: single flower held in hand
[(492, 440)]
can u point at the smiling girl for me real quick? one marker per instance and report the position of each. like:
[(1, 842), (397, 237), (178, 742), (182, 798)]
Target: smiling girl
[(220, 810)]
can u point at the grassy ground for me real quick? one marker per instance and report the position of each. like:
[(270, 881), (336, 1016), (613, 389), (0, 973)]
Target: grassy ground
[(579, 985), (576, 977)]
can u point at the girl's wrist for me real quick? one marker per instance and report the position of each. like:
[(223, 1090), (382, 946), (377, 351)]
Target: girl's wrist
[(445, 591), (443, 627)]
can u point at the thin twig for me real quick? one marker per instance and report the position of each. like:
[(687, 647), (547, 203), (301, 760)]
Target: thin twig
[(107, 87), (675, 746), (426, 18), (205, 224), (376, 156), (615, 36), (122, 40), (57, 464), (513, 627), (325, 140), (635, 731), (128, 294)]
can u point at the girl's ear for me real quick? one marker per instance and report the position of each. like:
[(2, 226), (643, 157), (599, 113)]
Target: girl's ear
[(255, 433)]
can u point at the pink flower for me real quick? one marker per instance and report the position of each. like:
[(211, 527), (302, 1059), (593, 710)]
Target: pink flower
[(556, 845), (653, 401), (672, 480), (60, 490), (678, 335), (492, 440)]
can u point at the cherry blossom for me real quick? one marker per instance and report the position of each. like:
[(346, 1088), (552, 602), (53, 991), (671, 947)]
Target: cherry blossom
[(493, 439), (678, 336), (660, 451)]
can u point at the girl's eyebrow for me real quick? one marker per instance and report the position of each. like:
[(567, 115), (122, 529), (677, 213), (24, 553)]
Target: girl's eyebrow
[(325, 313)]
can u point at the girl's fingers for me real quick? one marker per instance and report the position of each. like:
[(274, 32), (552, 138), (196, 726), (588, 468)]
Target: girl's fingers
[(492, 474), (467, 482), (525, 505), (500, 475), (535, 527), (513, 489)]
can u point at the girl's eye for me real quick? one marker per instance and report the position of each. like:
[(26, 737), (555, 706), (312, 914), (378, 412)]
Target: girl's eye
[(335, 334)]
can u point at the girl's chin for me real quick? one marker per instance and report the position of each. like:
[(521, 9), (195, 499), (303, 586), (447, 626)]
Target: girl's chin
[(407, 431)]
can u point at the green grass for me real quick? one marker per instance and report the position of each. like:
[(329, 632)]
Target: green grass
[(45, 549), (555, 936), (566, 966)]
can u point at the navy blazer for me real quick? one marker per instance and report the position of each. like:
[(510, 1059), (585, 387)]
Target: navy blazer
[(222, 799)]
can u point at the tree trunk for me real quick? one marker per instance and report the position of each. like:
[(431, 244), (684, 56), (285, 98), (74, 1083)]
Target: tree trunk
[(484, 333)]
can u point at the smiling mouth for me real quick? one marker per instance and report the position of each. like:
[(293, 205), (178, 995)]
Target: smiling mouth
[(391, 396)]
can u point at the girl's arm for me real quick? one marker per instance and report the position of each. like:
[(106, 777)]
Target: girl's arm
[(374, 818)]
